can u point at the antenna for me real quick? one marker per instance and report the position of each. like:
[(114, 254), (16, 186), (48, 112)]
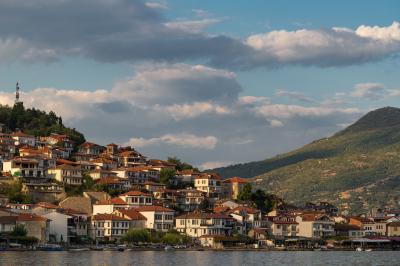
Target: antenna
[(17, 93)]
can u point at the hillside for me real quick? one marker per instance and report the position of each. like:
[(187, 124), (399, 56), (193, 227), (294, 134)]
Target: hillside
[(357, 168), (35, 122)]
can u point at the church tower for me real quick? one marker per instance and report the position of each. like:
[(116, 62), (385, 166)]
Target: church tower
[(17, 93)]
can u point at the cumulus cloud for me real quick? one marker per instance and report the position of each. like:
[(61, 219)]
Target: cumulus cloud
[(370, 91), (193, 112), (215, 164), (138, 31), (183, 139)]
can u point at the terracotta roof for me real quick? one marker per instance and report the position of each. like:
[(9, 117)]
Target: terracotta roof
[(189, 172), (67, 167), (136, 193), (209, 176), (111, 217), (133, 214), (21, 134), (346, 227), (362, 219), (312, 216), (115, 201), (394, 224), (153, 208), (221, 209), (245, 209), (203, 215), (109, 181), (236, 180), (64, 161), (46, 205)]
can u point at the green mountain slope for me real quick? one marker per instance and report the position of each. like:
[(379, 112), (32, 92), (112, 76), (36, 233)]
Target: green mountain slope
[(356, 168), (35, 122)]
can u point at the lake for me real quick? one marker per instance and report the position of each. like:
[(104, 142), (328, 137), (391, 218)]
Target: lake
[(192, 258)]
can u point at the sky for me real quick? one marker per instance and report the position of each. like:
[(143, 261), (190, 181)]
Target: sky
[(211, 82)]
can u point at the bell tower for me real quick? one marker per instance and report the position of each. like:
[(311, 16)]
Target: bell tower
[(17, 93)]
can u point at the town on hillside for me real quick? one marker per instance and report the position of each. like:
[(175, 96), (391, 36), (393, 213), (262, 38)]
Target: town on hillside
[(57, 192)]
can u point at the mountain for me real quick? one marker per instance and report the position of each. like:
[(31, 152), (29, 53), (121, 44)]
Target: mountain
[(357, 168), (35, 122)]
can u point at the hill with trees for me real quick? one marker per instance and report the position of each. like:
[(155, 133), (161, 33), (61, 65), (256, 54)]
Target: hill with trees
[(357, 168), (35, 122)]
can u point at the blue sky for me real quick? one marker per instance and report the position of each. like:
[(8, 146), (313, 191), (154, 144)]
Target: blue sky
[(307, 79)]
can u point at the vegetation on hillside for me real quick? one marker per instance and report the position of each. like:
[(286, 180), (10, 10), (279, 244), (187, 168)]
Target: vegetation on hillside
[(356, 168), (35, 122)]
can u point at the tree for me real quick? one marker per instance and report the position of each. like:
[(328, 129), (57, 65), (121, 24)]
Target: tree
[(136, 236), (245, 194), (181, 165), (19, 230), (204, 205), (166, 175)]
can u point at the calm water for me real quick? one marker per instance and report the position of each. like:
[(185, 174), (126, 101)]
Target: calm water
[(200, 258)]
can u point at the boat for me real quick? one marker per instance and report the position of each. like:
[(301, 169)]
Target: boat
[(78, 249), (359, 249), (168, 248), (49, 247), (368, 250)]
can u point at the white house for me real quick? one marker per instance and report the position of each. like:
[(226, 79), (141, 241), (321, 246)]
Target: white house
[(158, 218)]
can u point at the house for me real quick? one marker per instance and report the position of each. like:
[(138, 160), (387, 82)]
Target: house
[(137, 198), (249, 217), (283, 226), (109, 206), (68, 174), (209, 183), (166, 196), (103, 163), (112, 183), (152, 186), (393, 229), (29, 167), (137, 220), (349, 230), (135, 175), (62, 141), (187, 176), (158, 218), (108, 226), (315, 225), (7, 223), (131, 158), (190, 199), (197, 224), (35, 225), (21, 138), (43, 191), (80, 204), (232, 187), (366, 224), (90, 148), (111, 148), (100, 173)]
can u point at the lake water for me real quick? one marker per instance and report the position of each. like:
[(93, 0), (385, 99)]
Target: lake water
[(192, 258)]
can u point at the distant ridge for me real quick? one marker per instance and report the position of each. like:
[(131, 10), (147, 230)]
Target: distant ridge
[(358, 167)]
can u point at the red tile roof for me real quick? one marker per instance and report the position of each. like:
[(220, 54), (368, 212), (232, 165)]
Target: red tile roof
[(133, 214), (203, 215), (110, 217), (136, 193), (153, 209), (115, 201), (25, 217)]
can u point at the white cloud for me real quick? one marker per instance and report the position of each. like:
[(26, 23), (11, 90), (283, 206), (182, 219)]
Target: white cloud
[(183, 139), (370, 91), (157, 5), (195, 26), (276, 123), (295, 95), (186, 111), (389, 34)]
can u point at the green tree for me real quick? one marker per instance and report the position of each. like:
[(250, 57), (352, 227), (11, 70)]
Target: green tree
[(19, 230), (204, 205), (245, 194), (166, 175), (136, 236)]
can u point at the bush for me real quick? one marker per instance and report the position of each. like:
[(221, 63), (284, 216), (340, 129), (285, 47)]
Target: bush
[(136, 236)]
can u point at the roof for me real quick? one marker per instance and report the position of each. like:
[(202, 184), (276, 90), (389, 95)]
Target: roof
[(245, 209), (312, 216), (203, 215), (115, 201), (346, 227), (153, 209), (21, 134), (112, 217), (236, 180), (67, 167), (221, 209), (362, 219), (394, 224), (88, 144), (109, 181), (64, 161), (46, 205), (136, 193), (189, 172), (133, 214), (209, 176), (81, 204)]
